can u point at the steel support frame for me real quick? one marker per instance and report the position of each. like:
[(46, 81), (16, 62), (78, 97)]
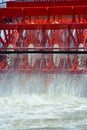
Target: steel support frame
[(76, 20), (40, 3)]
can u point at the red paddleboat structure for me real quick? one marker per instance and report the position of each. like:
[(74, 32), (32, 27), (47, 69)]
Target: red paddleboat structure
[(47, 36)]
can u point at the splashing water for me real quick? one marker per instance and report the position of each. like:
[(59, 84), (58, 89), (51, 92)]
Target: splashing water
[(43, 102)]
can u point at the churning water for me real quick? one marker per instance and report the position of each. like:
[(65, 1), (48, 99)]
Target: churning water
[(43, 102)]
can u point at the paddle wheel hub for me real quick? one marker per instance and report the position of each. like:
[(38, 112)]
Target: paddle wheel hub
[(46, 37)]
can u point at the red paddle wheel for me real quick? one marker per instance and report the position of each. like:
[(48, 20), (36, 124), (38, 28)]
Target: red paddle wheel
[(44, 36)]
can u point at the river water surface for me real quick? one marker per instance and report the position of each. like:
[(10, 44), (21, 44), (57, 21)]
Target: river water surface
[(43, 102)]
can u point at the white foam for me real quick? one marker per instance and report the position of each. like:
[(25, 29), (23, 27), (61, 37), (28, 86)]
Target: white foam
[(42, 101)]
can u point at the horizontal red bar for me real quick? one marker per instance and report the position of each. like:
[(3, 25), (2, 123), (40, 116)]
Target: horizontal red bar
[(42, 26), (46, 71), (45, 3), (43, 11), (60, 11), (54, 71), (5, 12)]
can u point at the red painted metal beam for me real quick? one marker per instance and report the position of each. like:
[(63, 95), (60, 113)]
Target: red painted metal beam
[(5, 12), (43, 11), (43, 26), (45, 3)]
